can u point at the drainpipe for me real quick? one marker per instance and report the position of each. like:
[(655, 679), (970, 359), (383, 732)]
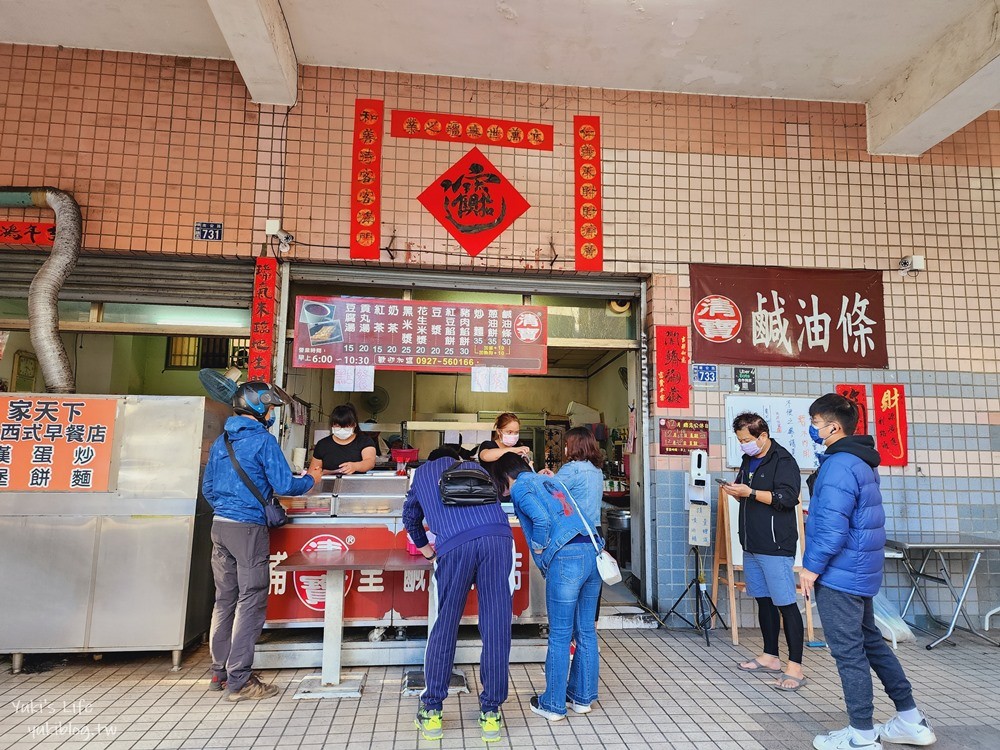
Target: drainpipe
[(43, 294)]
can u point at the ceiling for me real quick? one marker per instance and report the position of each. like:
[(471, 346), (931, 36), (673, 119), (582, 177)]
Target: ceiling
[(923, 68), (839, 51)]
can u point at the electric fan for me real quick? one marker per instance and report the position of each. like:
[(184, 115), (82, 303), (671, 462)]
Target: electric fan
[(377, 401), (220, 386)]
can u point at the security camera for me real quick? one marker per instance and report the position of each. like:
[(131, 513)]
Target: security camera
[(285, 238), (911, 264)]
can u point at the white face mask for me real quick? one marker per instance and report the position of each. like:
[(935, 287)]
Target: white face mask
[(510, 440), (342, 433)]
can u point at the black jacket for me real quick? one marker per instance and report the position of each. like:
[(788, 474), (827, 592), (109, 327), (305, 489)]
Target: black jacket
[(771, 529)]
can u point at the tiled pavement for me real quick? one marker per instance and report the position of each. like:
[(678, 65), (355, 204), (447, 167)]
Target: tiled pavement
[(660, 689)]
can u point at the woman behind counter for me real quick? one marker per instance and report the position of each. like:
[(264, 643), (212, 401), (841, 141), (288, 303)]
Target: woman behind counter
[(347, 450), (562, 550), (767, 486), (506, 439)]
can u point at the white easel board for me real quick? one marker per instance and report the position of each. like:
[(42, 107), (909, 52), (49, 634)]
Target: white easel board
[(788, 418), (736, 549)]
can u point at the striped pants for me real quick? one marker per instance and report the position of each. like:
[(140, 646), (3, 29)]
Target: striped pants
[(487, 562)]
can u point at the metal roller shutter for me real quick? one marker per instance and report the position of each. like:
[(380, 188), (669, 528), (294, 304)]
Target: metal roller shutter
[(137, 279)]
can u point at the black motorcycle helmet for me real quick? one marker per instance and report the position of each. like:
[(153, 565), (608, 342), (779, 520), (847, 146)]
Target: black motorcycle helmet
[(255, 398)]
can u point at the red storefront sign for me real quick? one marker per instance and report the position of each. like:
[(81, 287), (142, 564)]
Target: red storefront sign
[(474, 202), (393, 334), (790, 317), (673, 377), (890, 424), (262, 320), (301, 595), (56, 443), (366, 179), (368, 594), (27, 233), (678, 437), (587, 183), (437, 126), (858, 395)]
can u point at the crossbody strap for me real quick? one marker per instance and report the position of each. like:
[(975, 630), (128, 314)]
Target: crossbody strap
[(243, 475), (583, 518)]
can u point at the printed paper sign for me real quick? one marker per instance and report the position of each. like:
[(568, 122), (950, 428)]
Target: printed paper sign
[(56, 443), (673, 380), (678, 437), (890, 424)]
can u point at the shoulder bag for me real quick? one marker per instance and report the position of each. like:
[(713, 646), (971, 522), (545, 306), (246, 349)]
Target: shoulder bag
[(274, 512), (607, 565), (464, 486)]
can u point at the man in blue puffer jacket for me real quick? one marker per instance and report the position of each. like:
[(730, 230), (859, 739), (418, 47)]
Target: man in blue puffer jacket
[(240, 542), (844, 555)]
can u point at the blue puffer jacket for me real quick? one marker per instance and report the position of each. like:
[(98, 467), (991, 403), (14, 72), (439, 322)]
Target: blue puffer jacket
[(845, 535), (258, 453), (547, 516)]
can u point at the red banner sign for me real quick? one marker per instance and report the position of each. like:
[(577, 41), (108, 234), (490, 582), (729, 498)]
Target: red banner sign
[(488, 131), (27, 233), (587, 171), (368, 594), (673, 377), (858, 395), (393, 334), (678, 437), (890, 424), (265, 284), (56, 443), (474, 202), (366, 179), (789, 317)]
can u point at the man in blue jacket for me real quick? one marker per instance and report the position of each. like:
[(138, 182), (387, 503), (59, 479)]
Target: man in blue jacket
[(240, 543), (844, 555), (473, 546)]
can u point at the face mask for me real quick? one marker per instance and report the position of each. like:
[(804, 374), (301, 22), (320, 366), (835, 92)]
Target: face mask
[(751, 448), (342, 433), (814, 434), (269, 422), (510, 440)]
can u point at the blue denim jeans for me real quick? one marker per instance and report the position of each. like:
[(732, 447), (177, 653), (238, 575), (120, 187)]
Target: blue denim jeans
[(572, 590), (858, 648)]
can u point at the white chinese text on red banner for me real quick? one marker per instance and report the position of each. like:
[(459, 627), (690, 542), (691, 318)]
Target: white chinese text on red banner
[(790, 317), (393, 334)]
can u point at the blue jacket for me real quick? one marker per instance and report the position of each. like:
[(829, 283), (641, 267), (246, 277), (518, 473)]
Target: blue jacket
[(258, 453), (547, 516), (586, 484), (453, 525), (845, 534)]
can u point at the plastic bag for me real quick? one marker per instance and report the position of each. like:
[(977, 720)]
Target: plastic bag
[(889, 622)]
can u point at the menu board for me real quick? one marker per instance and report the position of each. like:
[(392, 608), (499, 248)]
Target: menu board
[(56, 443), (394, 334)]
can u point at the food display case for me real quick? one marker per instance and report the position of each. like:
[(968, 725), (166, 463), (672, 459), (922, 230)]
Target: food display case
[(358, 512)]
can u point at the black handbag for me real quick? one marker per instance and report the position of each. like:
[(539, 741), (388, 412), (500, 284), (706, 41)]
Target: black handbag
[(274, 512), (460, 486)]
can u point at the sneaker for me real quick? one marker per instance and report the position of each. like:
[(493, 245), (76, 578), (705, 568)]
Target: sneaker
[(580, 708), (844, 739), (429, 724), (550, 715), (900, 732), (218, 684), (254, 690), (490, 722)]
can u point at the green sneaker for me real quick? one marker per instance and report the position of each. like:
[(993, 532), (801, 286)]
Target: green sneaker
[(429, 724), (490, 723)]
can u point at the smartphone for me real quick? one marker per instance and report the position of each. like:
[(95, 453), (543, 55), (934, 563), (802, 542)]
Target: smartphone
[(723, 482)]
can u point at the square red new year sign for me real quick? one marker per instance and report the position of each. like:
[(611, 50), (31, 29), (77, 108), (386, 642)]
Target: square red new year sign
[(474, 202)]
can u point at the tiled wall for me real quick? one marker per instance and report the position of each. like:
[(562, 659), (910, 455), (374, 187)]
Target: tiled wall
[(149, 145)]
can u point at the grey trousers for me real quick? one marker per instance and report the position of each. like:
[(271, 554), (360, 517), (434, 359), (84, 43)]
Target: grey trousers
[(240, 554)]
